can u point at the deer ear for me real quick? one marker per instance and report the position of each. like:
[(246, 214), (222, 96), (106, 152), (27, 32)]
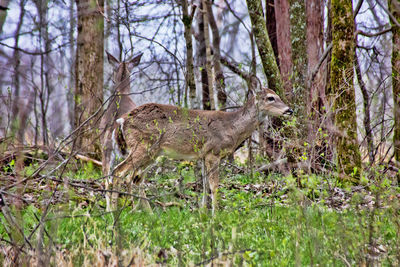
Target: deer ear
[(112, 60), (255, 84), (134, 61)]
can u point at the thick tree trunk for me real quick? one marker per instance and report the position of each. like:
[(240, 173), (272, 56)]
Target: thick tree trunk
[(314, 18), (271, 26), (284, 45), (89, 71), (202, 58), (395, 9), (348, 156), (264, 47), (299, 48)]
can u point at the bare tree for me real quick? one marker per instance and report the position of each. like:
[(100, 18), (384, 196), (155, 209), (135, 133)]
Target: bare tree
[(316, 98), (270, 21), (284, 45), (264, 46), (342, 92), (218, 73), (202, 57), (210, 73), (89, 70), (395, 9), (187, 20)]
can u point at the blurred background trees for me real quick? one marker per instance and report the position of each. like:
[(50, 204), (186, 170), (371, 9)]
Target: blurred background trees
[(335, 63)]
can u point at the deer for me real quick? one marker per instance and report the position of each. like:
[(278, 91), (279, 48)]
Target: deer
[(152, 130), (119, 103)]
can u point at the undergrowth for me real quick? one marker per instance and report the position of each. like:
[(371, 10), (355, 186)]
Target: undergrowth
[(262, 221)]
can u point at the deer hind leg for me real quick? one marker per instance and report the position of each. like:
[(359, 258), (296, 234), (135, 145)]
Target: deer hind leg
[(212, 167)]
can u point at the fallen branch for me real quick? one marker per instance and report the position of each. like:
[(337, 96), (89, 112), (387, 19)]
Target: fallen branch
[(272, 165)]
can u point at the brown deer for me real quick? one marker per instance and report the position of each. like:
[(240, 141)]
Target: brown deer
[(119, 103), (151, 130)]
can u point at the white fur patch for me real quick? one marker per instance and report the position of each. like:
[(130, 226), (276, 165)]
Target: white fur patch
[(121, 121), (116, 155)]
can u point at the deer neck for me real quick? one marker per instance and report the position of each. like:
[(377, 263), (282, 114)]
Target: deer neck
[(123, 85), (246, 120), (119, 102)]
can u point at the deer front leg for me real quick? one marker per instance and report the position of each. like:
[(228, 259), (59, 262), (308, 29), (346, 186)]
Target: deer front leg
[(212, 166), (204, 177), (107, 163), (119, 173), (137, 161)]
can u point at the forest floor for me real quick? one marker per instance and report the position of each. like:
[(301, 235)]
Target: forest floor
[(263, 220)]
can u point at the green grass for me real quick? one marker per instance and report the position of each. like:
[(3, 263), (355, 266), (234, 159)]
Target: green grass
[(269, 236), (249, 228)]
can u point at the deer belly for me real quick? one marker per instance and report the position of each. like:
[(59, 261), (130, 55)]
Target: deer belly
[(176, 154)]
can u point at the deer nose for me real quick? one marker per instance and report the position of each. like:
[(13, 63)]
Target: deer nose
[(288, 112)]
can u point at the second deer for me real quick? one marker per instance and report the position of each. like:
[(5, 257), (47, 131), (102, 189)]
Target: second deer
[(119, 103), (151, 130)]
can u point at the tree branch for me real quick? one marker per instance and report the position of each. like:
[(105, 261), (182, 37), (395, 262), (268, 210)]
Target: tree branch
[(372, 34)]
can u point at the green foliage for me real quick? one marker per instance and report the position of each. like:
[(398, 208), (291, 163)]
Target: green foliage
[(264, 221)]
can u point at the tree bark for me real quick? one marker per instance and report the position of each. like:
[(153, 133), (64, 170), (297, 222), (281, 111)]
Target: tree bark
[(264, 47), (3, 13), (348, 156), (89, 71), (270, 21), (314, 19), (299, 49), (284, 45), (187, 20), (315, 82), (219, 75), (71, 79), (202, 58), (396, 80), (209, 69)]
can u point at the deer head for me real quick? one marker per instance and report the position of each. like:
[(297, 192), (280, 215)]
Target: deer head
[(267, 101), (122, 71)]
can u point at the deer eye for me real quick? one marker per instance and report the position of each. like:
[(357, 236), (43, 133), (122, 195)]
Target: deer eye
[(271, 98)]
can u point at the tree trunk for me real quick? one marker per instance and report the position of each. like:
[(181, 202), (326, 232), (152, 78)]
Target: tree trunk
[(395, 9), (348, 156), (202, 58), (270, 21), (3, 13), (219, 75), (71, 79), (314, 18), (89, 71), (284, 45), (264, 47), (187, 20), (299, 50), (209, 69), (367, 113)]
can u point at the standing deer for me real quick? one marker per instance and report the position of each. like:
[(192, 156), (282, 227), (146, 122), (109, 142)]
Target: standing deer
[(151, 130), (119, 103)]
